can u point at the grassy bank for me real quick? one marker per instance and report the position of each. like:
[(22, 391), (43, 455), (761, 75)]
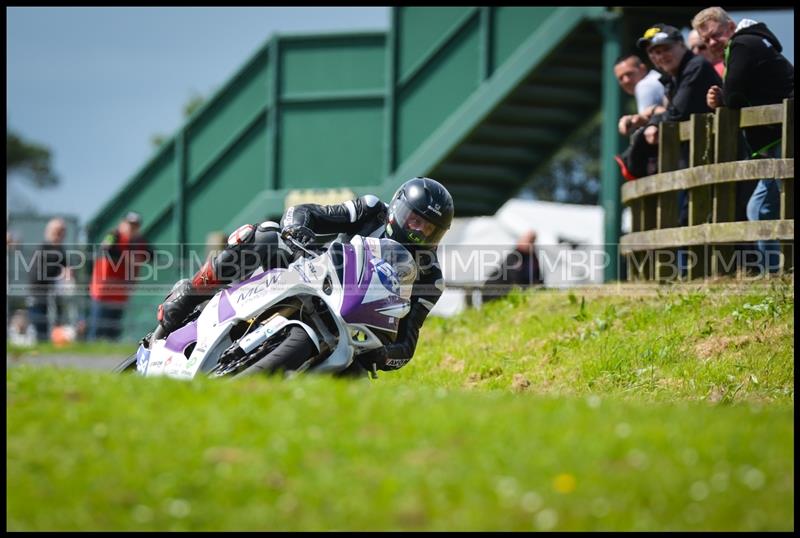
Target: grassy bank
[(720, 343), (599, 409)]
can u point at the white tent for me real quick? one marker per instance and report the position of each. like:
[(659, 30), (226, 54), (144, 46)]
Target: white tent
[(569, 246)]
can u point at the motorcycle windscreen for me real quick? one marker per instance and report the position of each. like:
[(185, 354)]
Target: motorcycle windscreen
[(375, 295)]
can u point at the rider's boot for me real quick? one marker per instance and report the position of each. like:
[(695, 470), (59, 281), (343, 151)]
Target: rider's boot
[(185, 297)]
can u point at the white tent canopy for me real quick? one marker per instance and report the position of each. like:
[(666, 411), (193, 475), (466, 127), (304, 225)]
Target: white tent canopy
[(569, 245)]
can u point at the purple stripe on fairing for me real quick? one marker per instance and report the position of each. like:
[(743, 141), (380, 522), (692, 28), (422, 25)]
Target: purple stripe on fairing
[(352, 309), (224, 309), (253, 279), (179, 339), (353, 292)]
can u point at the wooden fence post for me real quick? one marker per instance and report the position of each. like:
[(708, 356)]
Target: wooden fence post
[(638, 218), (667, 208), (787, 185), (700, 153), (726, 149), (643, 213)]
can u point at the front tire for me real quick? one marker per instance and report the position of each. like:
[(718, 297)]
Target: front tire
[(128, 365), (295, 349)]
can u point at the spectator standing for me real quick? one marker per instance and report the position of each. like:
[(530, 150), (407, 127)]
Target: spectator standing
[(686, 77), (520, 268), (756, 73), (113, 275), (49, 265), (635, 79), (699, 47), (686, 80), (14, 300)]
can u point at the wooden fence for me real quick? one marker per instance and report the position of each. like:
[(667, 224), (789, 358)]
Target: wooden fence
[(712, 231)]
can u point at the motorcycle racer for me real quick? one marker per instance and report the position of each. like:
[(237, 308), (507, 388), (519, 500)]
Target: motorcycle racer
[(418, 215)]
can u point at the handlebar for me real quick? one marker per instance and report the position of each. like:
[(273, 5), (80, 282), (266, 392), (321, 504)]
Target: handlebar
[(295, 245)]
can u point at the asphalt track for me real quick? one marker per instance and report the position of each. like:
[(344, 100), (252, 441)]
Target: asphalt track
[(84, 362)]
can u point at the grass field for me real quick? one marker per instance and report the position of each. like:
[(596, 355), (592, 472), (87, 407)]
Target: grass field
[(612, 408)]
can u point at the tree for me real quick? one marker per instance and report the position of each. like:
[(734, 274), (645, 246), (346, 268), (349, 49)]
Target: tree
[(573, 175), (30, 160), (194, 103)]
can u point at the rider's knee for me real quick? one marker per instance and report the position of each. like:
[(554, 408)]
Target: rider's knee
[(267, 245), (230, 263), (249, 247)]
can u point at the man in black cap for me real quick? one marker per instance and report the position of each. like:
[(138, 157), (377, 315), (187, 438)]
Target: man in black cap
[(686, 79), (686, 76)]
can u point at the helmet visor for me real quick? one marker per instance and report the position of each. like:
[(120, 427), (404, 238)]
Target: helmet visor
[(416, 227)]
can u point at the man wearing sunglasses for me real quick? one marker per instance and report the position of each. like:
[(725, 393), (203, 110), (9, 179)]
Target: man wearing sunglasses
[(699, 47), (756, 73)]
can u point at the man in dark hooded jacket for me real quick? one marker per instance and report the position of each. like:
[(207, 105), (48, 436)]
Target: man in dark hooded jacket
[(756, 73)]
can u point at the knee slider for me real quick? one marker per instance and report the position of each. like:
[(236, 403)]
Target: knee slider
[(266, 244), (231, 262), (227, 264), (243, 234), (269, 225)]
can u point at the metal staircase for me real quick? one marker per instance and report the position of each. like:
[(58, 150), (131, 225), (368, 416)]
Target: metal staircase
[(527, 126), (530, 107)]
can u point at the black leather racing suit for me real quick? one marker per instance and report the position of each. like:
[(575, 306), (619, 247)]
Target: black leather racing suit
[(367, 216)]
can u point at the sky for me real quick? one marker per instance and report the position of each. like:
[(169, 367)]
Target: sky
[(95, 84)]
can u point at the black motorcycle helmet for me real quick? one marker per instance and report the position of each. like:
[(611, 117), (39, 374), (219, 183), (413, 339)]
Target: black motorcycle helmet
[(420, 212)]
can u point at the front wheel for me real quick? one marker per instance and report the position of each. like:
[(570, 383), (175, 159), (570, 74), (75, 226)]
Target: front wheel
[(288, 350), (128, 365), (295, 349)]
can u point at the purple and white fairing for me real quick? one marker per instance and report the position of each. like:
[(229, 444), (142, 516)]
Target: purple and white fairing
[(246, 289), (180, 339), (372, 291)]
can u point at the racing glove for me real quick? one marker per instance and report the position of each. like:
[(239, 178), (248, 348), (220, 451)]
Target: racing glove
[(374, 356), (301, 234), (396, 355)]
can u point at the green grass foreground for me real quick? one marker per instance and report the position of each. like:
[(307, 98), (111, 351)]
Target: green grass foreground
[(602, 409)]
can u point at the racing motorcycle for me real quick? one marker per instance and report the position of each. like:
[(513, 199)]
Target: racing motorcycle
[(315, 315)]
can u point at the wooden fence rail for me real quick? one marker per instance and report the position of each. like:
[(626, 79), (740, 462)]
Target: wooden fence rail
[(710, 181)]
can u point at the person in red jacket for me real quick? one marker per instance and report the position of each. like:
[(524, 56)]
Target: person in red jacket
[(123, 250)]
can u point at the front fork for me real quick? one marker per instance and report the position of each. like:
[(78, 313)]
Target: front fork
[(157, 334)]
